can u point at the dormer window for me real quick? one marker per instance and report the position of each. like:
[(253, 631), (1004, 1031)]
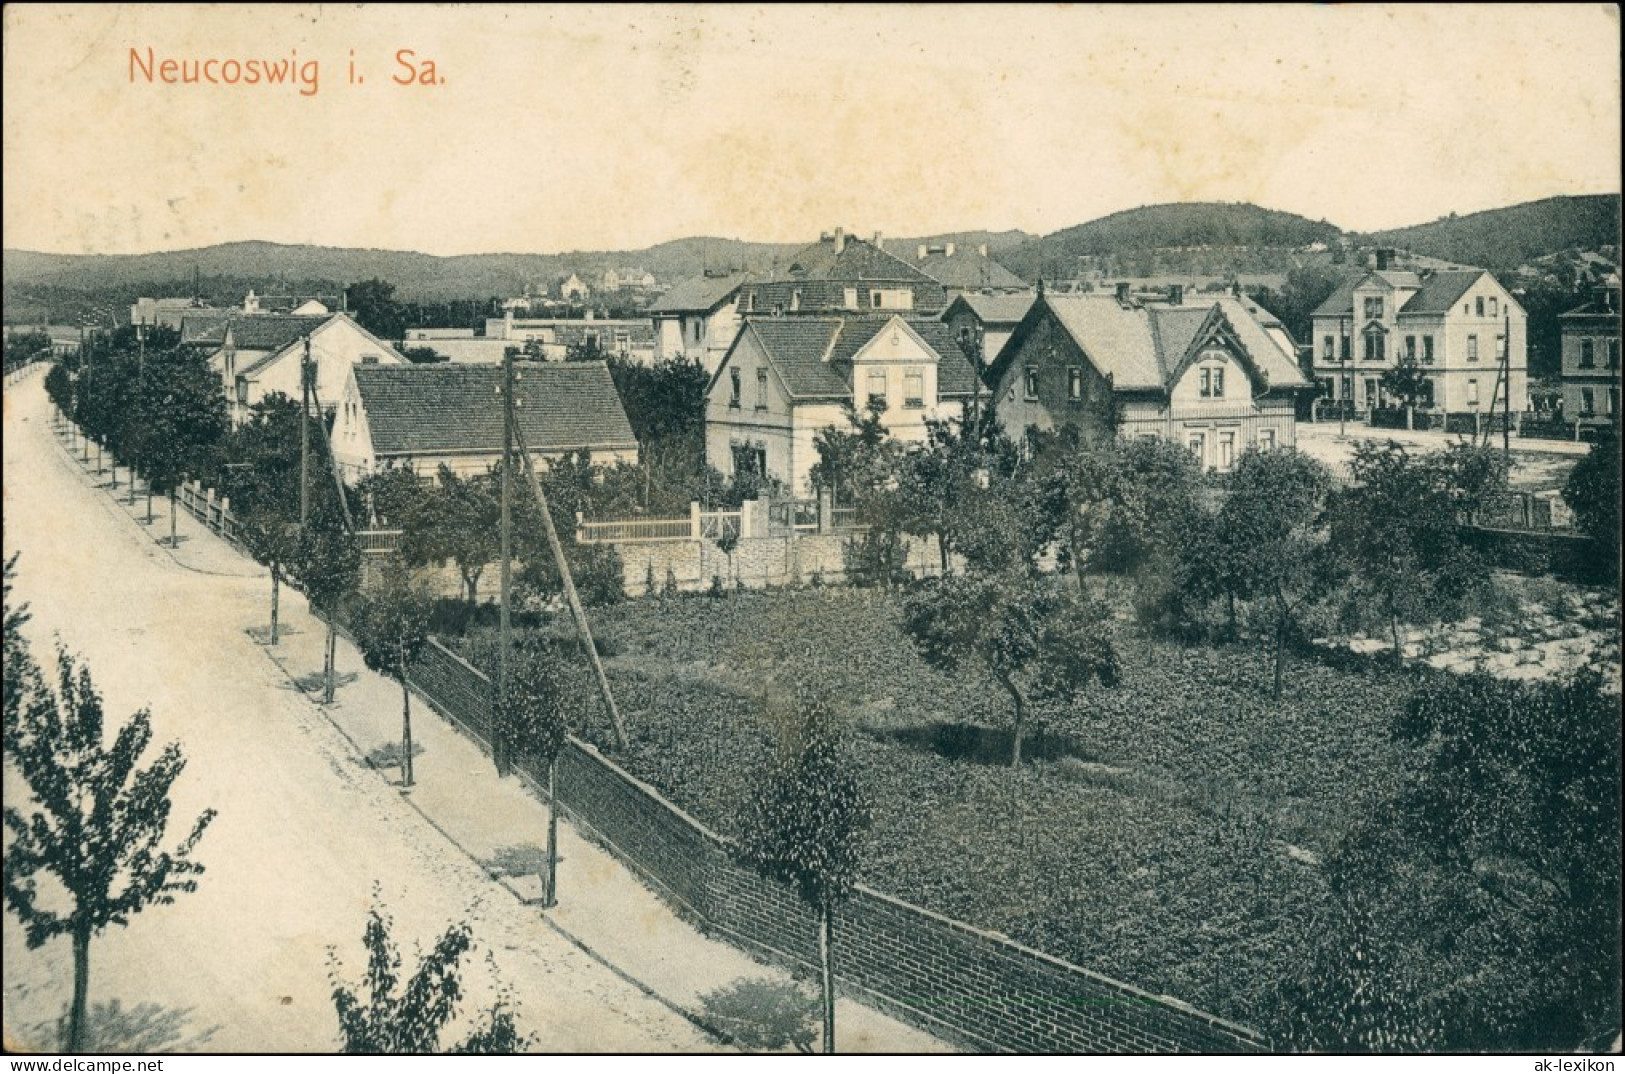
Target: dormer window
[(1212, 382), (1373, 308)]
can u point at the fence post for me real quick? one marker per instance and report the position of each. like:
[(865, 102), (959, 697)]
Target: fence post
[(694, 531)]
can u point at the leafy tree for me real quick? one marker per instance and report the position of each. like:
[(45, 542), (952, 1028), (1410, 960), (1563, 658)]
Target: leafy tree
[(1592, 493), (806, 817), (1033, 640), (19, 664), (391, 628), (372, 303), (466, 513), (1478, 909), (21, 348), (423, 355), (261, 477), (185, 420), (99, 822), (1407, 382), (396, 1020), (326, 565), (665, 404), (1395, 530), (1274, 520), (534, 722)]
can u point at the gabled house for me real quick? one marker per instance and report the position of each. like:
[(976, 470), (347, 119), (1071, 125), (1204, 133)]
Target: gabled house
[(572, 289), (698, 318), (986, 321), (1590, 359), (1463, 330), (261, 354), (785, 379), (1206, 374), (840, 274), (967, 270), (420, 416)]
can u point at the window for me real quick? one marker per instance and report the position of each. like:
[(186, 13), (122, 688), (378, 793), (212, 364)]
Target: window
[(877, 299), (1472, 348), (1373, 392), (1613, 354), (1410, 348), (1328, 348), (1500, 347), (761, 389), (1472, 393), (1613, 401), (750, 459), (877, 387), (1478, 304), (1374, 348), (795, 300), (1373, 308), (1427, 350), (1426, 399), (699, 329), (914, 390), (1588, 354), (1213, 382), (1197, 443), (850, 299), (1074, 383), (1032, 382), (1266, 440), (1227, 450), (733, 384), (1494, 305), (1588, 401), (242, 390), (623, 342)]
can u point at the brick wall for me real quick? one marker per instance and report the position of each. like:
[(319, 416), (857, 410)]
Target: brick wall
[(757, 562), (973, 987)]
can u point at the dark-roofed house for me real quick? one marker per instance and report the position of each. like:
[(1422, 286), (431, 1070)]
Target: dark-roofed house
[(420, 416), (841, 274), (1457, 326), (967, 270), (698, 318), (260, 354), (986, 321), (787, 378), (1590, 356), (1206, 373)]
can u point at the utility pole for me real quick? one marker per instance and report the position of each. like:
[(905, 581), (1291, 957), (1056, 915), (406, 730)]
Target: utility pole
[(1345, 387), (1506, 387), (304, 437), (498, 747)]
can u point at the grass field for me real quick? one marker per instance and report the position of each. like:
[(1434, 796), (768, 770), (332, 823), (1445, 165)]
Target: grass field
[(1165, 832)]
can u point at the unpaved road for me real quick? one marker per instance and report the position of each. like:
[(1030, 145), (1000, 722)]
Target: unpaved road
[(303, 834)]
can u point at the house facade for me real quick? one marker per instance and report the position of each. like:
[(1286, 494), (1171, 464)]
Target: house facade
[(261, 354), (843, 275), (697, 319), (785, 379), (985, 322), (1590, 359), (419, 417), (1465, 332), (1205, 374), (556, 338)]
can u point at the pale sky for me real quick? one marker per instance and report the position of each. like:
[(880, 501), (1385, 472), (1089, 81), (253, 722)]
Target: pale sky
[(618, 127)]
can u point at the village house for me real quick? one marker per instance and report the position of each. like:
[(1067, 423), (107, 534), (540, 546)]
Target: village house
[(636, 279), (261, 354), (698, 318), (967, 270), (785, 379), (419, 417), (164, 312), (1461, 328), (558, 338), (841, 274), (1590, 358), (571, 288), (1205, 373), (984, 322)]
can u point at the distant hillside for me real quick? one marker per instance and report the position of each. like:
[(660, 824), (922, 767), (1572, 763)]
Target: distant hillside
[(1501, 239), (1132, 236), (227, 271)]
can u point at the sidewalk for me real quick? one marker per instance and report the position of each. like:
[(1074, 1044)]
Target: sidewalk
[(603, 908)]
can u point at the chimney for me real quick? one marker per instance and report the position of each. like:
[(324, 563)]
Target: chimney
[(982, 249), (1122, 294), (949, 249), (840, 239), (879, 241), (1383, 256), (923, 251), (1176, 294)]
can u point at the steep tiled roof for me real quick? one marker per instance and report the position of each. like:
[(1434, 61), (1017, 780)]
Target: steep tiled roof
[(994, 309), (444, 409), (1441, 291), (813, 355), (294, 340), (858, 260), (1141, 347), (206, 327), (249, 331), (967, 269), (698, 294)]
